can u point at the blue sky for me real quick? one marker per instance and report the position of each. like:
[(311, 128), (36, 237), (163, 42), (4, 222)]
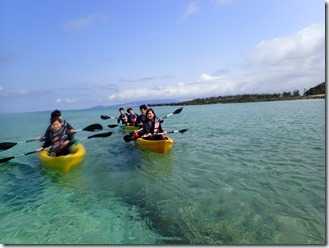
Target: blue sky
[(76, 54)]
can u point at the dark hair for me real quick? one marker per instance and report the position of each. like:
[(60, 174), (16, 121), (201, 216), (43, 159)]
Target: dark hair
[(121, 109), (55, 119), (55, 113), (129, 109), (143, 106), (151, 110)]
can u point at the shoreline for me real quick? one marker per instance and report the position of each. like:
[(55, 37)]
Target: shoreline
[(237, 99)]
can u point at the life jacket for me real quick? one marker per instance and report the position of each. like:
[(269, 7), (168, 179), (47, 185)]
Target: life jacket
[(133, 116), (121, 116), (153, 126), (59, 137)]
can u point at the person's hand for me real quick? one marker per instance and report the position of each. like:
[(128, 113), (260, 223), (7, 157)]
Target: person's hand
[(147, 135), (39, 149), (38, 138)]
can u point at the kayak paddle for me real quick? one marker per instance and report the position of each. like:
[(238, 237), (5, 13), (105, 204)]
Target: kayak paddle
[(7, 145), (99, 135), (129, 137), (112, 126), (177, 111), (105, 117), (176, 131), (4, 160), (92, 128)]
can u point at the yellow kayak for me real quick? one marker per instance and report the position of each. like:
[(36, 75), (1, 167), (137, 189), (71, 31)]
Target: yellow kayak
[(159, 146), (64, 163), (128, 128)]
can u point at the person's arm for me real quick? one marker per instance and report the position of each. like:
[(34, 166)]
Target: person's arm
[(69, 127), (44, 136), (46, 143), (160, 129)]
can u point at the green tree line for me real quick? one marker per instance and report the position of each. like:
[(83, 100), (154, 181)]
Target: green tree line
[(286, 95)]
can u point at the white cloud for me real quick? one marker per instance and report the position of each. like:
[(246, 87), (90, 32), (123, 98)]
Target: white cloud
[(298, 50), (66, 100), (191, 8), (207, 84), (86, 21), (207, 77), (282, 64)]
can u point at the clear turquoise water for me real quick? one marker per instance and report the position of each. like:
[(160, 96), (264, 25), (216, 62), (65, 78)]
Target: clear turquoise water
[(251, 173)]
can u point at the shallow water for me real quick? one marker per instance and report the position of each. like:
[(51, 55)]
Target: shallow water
[(251, 173)]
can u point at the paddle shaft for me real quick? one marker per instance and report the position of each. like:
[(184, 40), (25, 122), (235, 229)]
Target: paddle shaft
[(7, 145), (101, 135), (175, 131), (177, 111)]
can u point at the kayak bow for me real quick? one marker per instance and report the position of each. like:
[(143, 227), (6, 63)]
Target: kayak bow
[(64, 163), (159, 146)]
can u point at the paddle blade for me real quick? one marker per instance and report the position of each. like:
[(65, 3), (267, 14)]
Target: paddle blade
[(182, 130), (105, 117), (6, 145), (128, 138), (177, 111), (100, 135), (4, 160), (112, 126), (93, 128)]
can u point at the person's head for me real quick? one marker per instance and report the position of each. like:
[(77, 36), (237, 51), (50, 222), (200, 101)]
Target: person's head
[(130, 111), (56, 124), (150, 114), (55, 113), (133, 116), (121, 110), (143, 109)]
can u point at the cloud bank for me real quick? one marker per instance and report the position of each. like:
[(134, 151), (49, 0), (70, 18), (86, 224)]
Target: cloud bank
[(283, 63)]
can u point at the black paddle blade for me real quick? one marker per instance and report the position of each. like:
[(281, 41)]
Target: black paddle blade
[(93, 128), (112, 126), (182, 130), (6, 145), (4, 160), (101, 135), (105, 117), (177, 111), (128, 138)]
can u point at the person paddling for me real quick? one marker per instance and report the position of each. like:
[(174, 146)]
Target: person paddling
[(58, 139), (142, 117), (132, 117), (123, 117), (152, 128), (54, 114)]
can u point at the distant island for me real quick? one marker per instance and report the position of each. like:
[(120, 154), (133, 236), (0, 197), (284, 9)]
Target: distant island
[(318, 91)]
